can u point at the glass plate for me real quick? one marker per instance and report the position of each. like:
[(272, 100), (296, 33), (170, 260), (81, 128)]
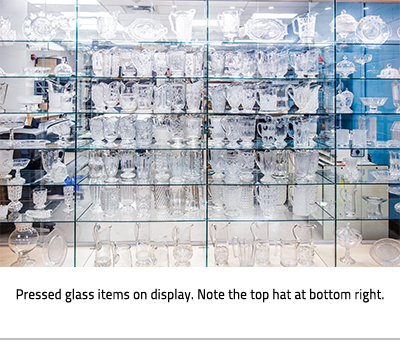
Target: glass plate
[(35, 143), (265, 29), (40, 26), (372, 29), (146, 30), (386, 252), (54, 249)]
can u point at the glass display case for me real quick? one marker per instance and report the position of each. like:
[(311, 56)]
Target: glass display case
[(199, 133)]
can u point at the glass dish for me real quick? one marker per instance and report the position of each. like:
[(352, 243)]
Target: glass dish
[(146, 30), (386, 252), (38, 214), (55, 248), (265, 30), (37, 71)]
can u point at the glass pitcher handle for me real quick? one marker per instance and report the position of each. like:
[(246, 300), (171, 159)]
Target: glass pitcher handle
[(294, 26), (172, 22), (259, 129)]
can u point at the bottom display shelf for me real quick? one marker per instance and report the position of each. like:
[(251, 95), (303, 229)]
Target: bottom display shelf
[(324, 257)]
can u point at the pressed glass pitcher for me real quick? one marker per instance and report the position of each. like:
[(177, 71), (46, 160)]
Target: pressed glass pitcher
[(102, 246), (182, 27)]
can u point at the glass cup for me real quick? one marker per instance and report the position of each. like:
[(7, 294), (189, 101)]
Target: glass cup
[(96, 130), (143, 161), (127, 164), (68, 198), (111, 165), (217, 62), (288, 254), (110, 196), (144, 133), (343, 138), (39, 196)]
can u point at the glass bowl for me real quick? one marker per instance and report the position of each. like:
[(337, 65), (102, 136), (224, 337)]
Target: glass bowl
[(384, 175), (373, 103)]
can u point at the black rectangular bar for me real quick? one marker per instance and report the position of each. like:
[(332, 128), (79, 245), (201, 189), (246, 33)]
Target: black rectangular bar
[(200, 295)]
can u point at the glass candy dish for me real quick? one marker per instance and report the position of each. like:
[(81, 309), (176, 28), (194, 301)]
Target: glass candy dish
[(373, 103)]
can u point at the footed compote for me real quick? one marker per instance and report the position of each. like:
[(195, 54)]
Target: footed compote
[(21, 241), (348, 238), (18, 165), (362, 59), (373, 103)]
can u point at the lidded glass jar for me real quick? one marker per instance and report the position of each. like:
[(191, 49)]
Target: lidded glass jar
[(348, 238), (345, 67), (345, 24), (22, 241)]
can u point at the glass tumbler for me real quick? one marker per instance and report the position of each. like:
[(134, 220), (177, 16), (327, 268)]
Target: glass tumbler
[(96, 130), (68, 198), (39, 196), (110, 196), (144, 133)]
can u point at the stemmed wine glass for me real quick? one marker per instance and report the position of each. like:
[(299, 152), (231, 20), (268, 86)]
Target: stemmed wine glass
[(362, 59), (18, 165)]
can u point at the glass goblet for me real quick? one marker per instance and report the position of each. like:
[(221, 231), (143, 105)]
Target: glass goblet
[(18, 165)]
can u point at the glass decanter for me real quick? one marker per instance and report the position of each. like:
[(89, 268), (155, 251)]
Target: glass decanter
[(348, 238), (22, 241), (63, 69)]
